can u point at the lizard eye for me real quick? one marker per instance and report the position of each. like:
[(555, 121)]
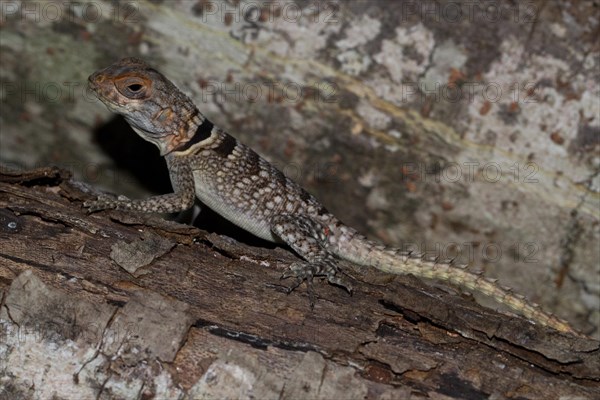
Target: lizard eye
[(133, 88)]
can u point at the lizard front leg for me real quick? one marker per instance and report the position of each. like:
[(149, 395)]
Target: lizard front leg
[(308, 238), (183, 197)]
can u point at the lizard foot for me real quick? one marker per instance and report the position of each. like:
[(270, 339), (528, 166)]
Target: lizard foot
[(305, 271), (308, 237), (103, 202)]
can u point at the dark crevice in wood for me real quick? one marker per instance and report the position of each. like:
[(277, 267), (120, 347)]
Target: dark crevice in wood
[(252, 340)]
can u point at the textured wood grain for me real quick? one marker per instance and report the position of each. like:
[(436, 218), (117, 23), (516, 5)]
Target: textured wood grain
[(395, 337)]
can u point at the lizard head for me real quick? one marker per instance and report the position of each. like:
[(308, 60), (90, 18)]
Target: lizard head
[(153, 106)]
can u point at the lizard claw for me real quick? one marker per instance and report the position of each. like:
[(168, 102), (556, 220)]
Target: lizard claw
[(341, 282), (301, 271)]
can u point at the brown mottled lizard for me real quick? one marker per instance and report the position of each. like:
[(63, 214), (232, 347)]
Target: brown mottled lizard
[(229, 177)]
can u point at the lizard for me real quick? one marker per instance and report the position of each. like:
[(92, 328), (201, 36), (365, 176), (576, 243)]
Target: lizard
[(229, 177)]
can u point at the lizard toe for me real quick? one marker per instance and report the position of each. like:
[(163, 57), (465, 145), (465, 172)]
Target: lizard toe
[(341, 282)]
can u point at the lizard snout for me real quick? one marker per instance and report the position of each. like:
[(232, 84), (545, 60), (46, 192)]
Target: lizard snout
[(96, 79), (92, 80)]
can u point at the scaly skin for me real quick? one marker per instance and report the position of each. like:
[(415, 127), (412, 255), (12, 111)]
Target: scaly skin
[(227, 176)]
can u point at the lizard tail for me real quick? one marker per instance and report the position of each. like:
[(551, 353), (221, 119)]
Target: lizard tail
[(393, 261)]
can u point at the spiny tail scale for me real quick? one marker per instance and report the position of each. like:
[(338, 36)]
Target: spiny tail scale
[(364, 252)]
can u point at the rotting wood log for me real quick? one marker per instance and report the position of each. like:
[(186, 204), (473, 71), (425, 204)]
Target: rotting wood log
[(122, 305)]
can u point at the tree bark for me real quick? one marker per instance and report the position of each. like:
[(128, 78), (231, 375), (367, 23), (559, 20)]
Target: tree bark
[(119, 305), (464, 129)]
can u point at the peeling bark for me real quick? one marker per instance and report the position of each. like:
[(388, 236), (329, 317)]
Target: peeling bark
[(207, 317), (463, 129)]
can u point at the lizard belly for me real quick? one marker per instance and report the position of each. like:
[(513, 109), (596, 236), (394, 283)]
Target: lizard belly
[(233, 210)]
